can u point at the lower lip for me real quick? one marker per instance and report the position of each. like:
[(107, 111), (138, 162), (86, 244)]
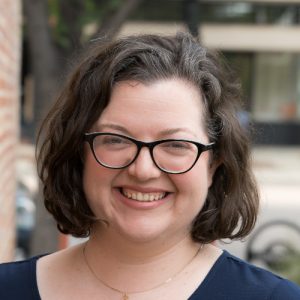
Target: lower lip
[(140, 204)]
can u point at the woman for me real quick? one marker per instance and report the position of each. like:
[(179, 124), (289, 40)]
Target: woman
[(144, 154)]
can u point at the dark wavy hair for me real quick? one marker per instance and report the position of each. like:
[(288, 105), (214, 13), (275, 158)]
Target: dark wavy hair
[(231, 206)]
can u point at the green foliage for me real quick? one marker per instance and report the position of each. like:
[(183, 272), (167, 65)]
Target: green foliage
[(59, 29), (289, 267), (65, 30), (57, 24)]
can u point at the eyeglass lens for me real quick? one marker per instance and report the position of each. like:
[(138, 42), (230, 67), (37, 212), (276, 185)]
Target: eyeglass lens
[(171, 156), (175, 156)]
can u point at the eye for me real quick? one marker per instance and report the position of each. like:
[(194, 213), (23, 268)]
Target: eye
[(176, 147), (179, 145), (112, 140)]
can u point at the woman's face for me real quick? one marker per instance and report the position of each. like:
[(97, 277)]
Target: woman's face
[(161, 110)]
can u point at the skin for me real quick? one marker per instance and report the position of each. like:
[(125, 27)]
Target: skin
[(163, 109), (144, 243)]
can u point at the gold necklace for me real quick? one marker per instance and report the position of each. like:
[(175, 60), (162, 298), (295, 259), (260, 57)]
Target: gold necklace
[(125, 295)]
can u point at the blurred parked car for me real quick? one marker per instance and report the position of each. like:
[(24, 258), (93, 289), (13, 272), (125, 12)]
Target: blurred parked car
[(27, 187), (25, 220)]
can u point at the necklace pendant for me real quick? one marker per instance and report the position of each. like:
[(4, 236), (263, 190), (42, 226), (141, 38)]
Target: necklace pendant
[(125, 296)]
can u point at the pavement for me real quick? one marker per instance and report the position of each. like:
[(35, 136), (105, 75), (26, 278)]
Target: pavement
[(277, 165)]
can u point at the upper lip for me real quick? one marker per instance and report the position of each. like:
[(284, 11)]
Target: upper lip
[(145, 189)]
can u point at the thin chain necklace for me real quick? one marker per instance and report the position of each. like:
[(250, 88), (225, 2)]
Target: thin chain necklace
[(125, 295)]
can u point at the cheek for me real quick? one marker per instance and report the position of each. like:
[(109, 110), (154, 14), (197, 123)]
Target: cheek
[(96, 185), (195, 183), (95, 178), (192, 193), (90, 171)]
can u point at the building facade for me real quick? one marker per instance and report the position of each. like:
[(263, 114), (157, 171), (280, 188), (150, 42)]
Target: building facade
[(10, 44), (260, 38)]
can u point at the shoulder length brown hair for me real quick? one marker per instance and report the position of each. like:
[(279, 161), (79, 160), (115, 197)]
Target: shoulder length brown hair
[(231, 206)]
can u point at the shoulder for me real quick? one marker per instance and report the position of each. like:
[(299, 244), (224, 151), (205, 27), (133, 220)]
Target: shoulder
[(232, 278), (18, 280), (286, 290), (256, 281), (61, 270)]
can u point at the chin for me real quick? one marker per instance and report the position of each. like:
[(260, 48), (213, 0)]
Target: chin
[(139, 232)]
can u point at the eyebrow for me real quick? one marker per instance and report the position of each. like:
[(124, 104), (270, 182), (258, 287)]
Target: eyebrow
[(102, 127), (176, 130)]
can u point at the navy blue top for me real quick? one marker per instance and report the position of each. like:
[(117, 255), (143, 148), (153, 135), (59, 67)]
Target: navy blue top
[(229, 279)]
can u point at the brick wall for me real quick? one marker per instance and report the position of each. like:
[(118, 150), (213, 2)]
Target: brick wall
[(10, 48)]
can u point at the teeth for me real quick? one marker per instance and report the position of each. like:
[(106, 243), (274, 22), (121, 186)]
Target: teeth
[(143, 197)]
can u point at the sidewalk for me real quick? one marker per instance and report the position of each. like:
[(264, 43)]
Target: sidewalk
[(277, 170), (277, 165)]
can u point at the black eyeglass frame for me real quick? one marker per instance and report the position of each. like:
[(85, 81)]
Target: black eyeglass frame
[(89, 137)]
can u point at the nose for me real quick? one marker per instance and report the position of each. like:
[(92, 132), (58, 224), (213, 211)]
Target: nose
[(143, 168)]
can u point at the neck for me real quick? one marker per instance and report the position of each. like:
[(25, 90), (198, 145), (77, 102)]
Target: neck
[(115, 260), (117, 247)]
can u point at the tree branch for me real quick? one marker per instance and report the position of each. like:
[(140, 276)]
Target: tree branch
[(113, 22)]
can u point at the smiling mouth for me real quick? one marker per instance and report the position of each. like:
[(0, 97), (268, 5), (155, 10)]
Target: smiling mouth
[(142, 197)]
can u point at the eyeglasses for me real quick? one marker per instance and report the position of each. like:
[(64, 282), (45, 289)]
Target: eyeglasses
[(116, 151)]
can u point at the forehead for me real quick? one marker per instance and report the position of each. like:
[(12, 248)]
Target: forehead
[(157, 94), (161, 104)]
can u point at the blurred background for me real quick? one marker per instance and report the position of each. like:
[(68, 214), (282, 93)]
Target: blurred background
[(261, 41)]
